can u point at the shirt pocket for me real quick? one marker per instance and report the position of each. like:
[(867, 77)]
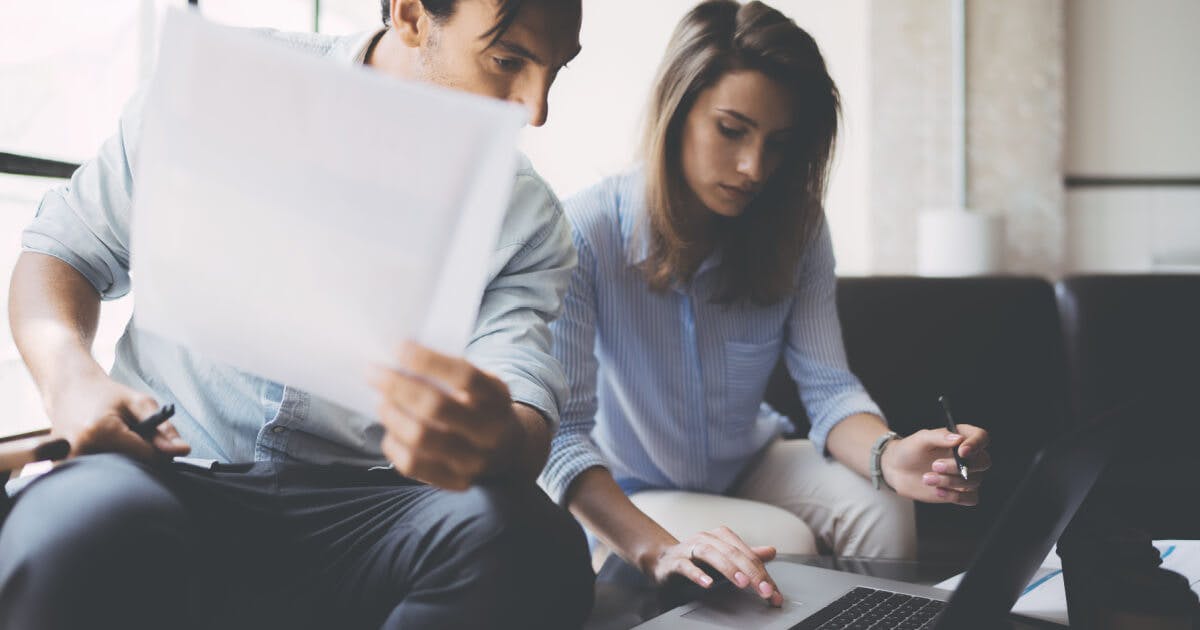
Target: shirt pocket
[(748, 367)]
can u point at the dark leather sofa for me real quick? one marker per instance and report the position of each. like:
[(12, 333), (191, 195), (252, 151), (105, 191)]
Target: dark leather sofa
[(1028, 360)]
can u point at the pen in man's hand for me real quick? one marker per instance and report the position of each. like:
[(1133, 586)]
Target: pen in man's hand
[(962, 466), (147, 427)]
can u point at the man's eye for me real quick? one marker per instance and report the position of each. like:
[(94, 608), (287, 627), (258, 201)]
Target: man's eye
[(507, 64), (730, 132)]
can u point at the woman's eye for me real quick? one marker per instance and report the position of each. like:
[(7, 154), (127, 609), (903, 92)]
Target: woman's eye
[(507, 64), (730, 132)]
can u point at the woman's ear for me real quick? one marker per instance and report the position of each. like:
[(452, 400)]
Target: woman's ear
[(411, 22)]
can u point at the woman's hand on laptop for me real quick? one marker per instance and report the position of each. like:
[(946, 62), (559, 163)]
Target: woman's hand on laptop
[(446, 421), (725, 552), (922, 467)]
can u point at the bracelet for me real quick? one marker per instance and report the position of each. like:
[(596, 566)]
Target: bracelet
[(877, 456)]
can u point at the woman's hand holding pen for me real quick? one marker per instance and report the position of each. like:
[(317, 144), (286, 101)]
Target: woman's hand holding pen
[(922, 466), (98, 415)]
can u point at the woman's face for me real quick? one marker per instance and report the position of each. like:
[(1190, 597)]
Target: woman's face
[(734, 138)]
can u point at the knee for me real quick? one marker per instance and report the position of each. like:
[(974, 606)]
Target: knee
[(761, 524), (794, 536), (892, 512), (886, 527)]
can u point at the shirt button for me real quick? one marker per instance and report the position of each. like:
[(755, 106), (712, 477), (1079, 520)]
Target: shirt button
[(277, 429)]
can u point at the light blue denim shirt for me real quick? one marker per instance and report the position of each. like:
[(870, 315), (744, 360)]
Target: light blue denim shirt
[(232, 416), (667, 388)]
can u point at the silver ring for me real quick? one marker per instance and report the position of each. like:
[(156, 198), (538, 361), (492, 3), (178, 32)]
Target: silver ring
[(692, 553)]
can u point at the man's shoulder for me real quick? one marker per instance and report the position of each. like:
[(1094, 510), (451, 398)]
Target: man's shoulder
[(530, 188), (534, 211)]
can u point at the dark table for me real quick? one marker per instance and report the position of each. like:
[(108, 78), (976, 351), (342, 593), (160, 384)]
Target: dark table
[(625, 598)]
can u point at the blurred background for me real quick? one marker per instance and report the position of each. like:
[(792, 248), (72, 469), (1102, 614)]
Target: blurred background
[(1071, 122)]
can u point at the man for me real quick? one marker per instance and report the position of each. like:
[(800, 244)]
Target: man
[(301, 523)]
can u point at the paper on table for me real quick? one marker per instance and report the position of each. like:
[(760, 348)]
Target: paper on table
[(1046, 597), (298, 218)]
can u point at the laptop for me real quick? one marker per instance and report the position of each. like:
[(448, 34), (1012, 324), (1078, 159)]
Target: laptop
[(1055, 485)]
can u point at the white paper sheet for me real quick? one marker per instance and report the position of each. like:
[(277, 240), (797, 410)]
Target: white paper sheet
[(299, 218), (1045, 597)]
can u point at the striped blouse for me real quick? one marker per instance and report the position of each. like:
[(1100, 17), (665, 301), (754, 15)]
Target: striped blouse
[(666, 389)]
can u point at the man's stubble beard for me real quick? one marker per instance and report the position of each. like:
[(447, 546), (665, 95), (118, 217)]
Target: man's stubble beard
[(430, 69)]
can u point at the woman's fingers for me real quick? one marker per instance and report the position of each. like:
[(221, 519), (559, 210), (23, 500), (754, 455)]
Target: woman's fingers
[(951, 482), (689, 570), (979, 464), (975, 439), (760, 579), (715, 554), (765, 554)]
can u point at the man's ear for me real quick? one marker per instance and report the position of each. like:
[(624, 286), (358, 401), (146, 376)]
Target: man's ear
[(411, 22)]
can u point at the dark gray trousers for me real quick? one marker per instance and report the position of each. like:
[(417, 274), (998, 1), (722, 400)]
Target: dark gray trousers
[(106, 542)]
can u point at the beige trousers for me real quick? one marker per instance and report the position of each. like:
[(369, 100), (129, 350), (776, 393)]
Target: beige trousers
[(797, 501)]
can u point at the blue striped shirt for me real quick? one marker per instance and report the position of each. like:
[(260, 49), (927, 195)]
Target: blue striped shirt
[(667, 388)]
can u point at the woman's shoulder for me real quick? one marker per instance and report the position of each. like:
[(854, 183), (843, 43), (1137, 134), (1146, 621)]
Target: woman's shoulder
[(604, 210)]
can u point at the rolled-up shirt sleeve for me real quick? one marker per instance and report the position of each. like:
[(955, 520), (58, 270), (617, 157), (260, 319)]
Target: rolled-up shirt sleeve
[(85, 221), (572, 450), (815, 353), (512, 336)]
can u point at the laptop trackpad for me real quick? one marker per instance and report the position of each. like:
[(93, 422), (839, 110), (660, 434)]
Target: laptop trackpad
[(738, 609)]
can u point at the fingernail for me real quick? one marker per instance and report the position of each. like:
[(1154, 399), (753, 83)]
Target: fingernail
[(941, 492), (950, 437), (741, 579), (706, 580), (939, 466), (929, 479), (765, 588), (962, 450)]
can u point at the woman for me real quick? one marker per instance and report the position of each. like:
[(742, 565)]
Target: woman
[(696, 271)]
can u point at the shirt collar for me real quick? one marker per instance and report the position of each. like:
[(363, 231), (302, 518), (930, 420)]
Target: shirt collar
[(352, 49)]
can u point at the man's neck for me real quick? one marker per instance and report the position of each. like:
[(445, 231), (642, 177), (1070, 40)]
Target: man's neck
[(392, 57)]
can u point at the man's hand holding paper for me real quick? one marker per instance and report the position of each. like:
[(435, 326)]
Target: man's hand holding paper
[(447, 421)]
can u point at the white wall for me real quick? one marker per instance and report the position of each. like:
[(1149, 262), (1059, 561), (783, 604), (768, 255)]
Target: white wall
[(1133, 94), (1134, 87)]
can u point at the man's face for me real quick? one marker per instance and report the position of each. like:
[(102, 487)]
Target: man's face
[(519, 67)]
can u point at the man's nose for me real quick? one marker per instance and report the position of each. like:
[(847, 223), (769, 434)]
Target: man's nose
[(535, 98)]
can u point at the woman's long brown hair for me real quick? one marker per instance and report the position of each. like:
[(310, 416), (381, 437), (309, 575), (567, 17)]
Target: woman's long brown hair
[(760, 249)]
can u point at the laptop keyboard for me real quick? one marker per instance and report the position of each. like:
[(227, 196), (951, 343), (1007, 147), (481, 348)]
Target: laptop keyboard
[(864, 608)]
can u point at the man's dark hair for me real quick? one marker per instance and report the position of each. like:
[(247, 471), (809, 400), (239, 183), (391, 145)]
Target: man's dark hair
[(442, 9)]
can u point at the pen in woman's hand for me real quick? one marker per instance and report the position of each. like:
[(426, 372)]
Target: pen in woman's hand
[(962, 466)]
